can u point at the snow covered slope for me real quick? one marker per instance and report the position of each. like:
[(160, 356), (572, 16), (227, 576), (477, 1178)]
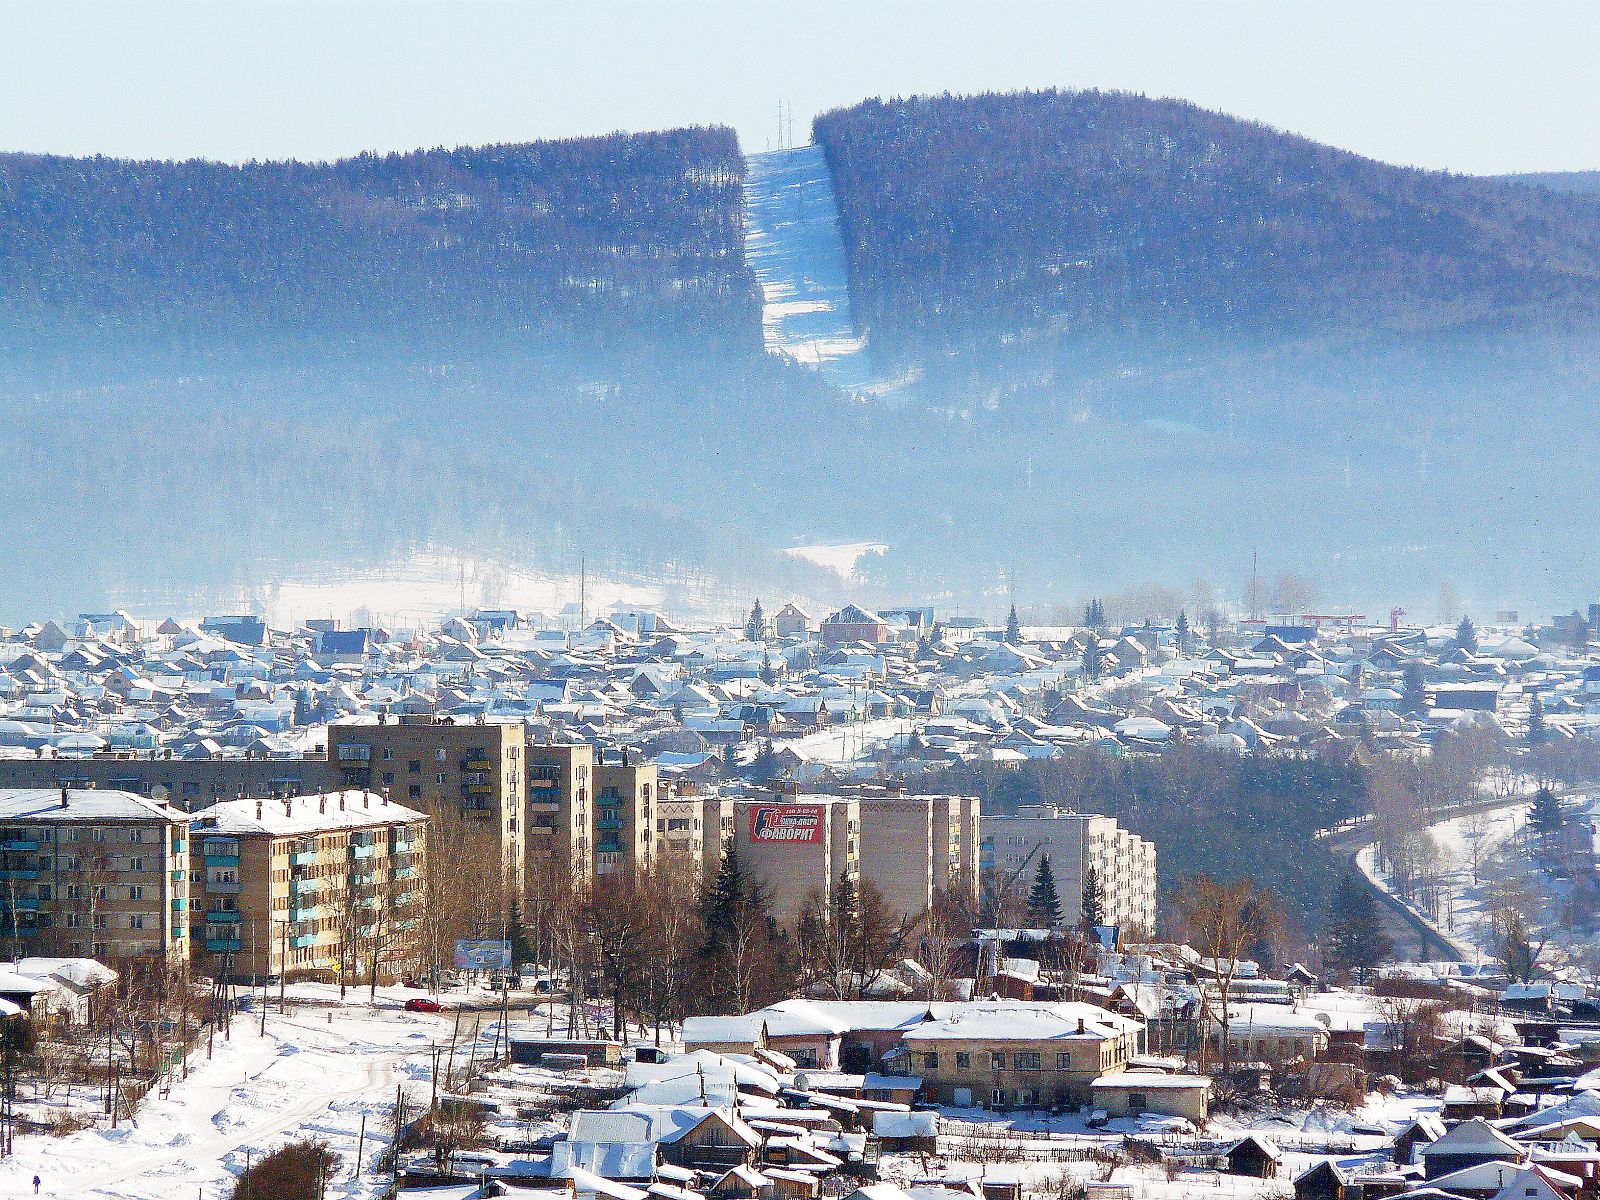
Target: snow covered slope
[(792, 242)]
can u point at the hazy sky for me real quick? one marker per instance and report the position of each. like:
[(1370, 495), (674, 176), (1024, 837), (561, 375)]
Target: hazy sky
[(1474, 87)]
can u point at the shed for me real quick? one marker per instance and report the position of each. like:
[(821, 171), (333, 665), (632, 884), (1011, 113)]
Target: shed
[(1254, 1156)]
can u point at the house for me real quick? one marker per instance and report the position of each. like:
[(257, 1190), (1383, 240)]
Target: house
[(907, 1132), (855, 624), (1270, 1033), (1426, 1128), (792, 621), (1469, 1144), (1255, 1156), (1012, 1054), (1131, 1093), (1324, 1181)]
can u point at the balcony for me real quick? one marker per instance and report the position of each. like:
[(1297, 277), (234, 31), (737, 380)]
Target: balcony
[(180, 845), (477, 763), (223, 916), (19, 846), (305, 914), (608, 848), (179, 876), (179, 904), (608, 823), (218, 945), (219, 888), (303, 858), (222, 860), (300, 887), (403, 847), (303, 940), (20, 904), (362, 851), (405, 873), (23, 873)]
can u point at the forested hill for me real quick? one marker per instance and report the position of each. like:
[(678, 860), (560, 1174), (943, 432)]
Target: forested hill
[(1586, 183), (631, 237), (1092, 223)]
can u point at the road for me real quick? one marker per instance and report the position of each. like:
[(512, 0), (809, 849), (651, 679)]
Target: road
[(1413, 939)]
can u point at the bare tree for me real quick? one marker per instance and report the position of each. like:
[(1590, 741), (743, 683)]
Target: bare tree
[(1220, 920)]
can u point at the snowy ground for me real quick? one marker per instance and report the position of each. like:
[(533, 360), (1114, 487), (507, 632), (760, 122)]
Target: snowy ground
[(316, 1073), (432, 583), (1492, 840), (793, 244), (845, 743), (842, 558)]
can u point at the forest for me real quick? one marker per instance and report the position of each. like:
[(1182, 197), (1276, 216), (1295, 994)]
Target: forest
[(1088, 215), (196, 265), (1205, 811)]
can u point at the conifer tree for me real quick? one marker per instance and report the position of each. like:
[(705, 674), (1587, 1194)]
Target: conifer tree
[(1092, 661), (1356, 939), (1094, 904), (1183, 632), (1413, 688), (1536, 729), (1013, 627), (755, 628), (1044, 905), (1545, 816), (1467, 635)]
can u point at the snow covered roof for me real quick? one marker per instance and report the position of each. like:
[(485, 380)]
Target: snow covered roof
[(83, 804), (1152, 1081), (304, 814), (1023, 1022)]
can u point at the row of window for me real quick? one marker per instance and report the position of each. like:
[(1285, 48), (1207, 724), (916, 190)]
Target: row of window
[(1021, 1060)]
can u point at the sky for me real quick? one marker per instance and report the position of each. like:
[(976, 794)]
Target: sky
[(1472, 87)]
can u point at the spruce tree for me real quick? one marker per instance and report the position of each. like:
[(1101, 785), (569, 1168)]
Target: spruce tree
[(721, 902), (1356, 938), (1183, 632), (1545, 816), (1467, 635), (1092, 662), (1536, 729), (1094, 904), (1013, 627), (1413, 688), (755, 628), (1044, 905)]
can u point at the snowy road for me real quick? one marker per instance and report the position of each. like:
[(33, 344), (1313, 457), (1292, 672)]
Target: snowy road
[(316, 1073)]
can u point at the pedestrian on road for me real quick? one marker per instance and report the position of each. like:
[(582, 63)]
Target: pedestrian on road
[(35, 1185)]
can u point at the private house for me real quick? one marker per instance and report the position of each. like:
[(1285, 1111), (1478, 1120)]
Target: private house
[(792, 621), (1470, 1144), (855, 624)]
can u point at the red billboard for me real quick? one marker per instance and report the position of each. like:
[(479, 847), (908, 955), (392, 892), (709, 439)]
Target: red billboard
[(786, 823)]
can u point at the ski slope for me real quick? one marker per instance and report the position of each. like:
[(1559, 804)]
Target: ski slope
[(793, 243)]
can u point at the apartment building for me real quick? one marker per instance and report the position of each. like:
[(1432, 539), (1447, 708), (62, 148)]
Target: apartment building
[(625, 788), (1123, 862), (189, 784), (92, 873), (455, 772), (559, 830), (326, 886), (798, 845)]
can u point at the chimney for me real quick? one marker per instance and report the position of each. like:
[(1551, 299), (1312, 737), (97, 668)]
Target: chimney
[(1080, 1025), (63, 795), (366, 799), (288, 806), (258, 810), (322, 804), (341, 801)]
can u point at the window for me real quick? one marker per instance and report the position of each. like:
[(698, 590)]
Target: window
[(963, 1060), (416, 791), (136, 892), (439, 778), (440, 755), (997, 1060), (1026, 1060), (931, 1061), (1028, 1097), (414, 767), (1138, 1102), (387, 754), (388, 776), (1063, 1061)]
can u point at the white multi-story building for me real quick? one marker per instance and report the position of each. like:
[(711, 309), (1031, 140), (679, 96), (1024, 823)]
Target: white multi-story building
[(1123, 862)]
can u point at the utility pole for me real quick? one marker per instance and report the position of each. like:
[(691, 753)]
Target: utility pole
[(583, 591)]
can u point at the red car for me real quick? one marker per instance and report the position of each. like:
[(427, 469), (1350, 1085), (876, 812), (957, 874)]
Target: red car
[(423, 1004)]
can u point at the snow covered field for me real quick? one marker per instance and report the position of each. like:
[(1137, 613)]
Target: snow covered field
[(793, 244), (316, 1073)]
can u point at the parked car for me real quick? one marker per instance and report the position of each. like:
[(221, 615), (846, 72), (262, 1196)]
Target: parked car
[(423, 1004)]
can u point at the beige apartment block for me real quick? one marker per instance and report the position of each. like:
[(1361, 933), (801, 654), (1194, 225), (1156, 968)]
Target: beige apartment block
[(91, 873), (1124, 863), (798, 845), (680, 829), (717, 825), (326, 886), (624, 821), (455, 772), (559, 828), (899, 857)]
